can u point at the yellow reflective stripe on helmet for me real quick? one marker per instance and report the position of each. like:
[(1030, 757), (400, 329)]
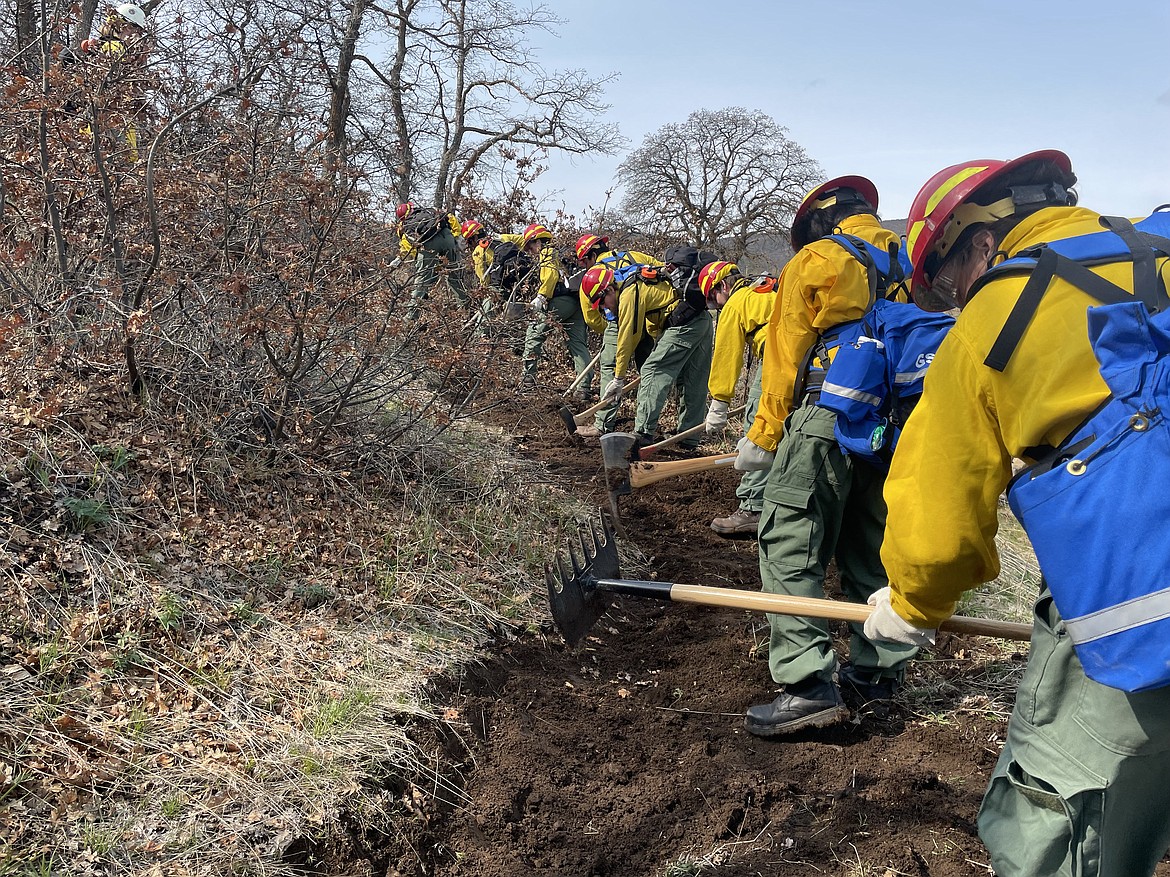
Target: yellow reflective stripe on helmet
[(947, 185), (912, 236)]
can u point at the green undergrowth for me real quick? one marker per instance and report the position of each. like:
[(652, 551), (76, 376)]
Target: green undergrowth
[(194, 682)]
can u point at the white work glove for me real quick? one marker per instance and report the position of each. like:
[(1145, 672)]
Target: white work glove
[(752, 458), (539, 304), (886, 624), (613, 390), (396, 262), (716, 420)]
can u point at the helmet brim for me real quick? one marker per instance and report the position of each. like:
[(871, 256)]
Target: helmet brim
[(862, 185)]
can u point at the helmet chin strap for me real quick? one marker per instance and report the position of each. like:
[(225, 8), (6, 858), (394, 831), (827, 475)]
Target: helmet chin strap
[(938, 297)]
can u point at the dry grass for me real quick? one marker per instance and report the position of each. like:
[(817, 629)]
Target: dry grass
[(195, 686), (981, 679)]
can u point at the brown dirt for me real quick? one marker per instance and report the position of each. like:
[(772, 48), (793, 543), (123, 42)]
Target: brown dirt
[(626, 754)]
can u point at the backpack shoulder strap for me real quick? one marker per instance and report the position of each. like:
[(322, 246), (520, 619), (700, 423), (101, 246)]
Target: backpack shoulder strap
[(1146, 284), (856, 248), (885, 266), (1045, 263)]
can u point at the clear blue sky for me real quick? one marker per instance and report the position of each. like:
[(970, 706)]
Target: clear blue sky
[(893, 91)]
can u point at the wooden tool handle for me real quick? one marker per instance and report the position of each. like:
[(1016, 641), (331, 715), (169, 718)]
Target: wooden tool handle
[(814, 607), (686, 433), (584, 417), (642, 474), (577, 380)]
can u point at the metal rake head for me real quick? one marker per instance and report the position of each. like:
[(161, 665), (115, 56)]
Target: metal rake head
[(573, 596)]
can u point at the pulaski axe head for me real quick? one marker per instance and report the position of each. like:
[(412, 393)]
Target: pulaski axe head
[(616, 448), (573, 596), (567, 417)]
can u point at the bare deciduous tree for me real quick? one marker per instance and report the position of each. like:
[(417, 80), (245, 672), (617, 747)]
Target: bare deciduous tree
[(454, 86), (721, 180), (419, 97)]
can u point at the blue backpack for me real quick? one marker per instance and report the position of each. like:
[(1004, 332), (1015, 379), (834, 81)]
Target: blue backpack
[(1096, 507), (623, 266), (876, 377)]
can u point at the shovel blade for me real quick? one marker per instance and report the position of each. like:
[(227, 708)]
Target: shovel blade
[(573, 598)]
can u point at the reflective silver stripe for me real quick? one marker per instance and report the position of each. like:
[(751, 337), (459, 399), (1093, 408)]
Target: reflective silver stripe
[(1124, 616), (850, 393), (908, 377)]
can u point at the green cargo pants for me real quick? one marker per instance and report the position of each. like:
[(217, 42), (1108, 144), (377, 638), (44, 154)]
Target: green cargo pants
[(1082, 786), (750, 491), (681, 357), (818, 503), (441, 251), (485, 312), (605, 417), (566, 310)]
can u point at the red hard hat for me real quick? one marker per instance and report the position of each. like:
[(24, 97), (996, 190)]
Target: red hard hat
[(824, 196), (939, 213), (595, 282), (714, 274), (471, 228), (587, 242), (403, 210)]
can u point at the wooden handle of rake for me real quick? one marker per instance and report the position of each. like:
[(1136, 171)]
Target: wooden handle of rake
[(811, 607), (642, 474), (577, 380), (585, 416), (685, 434)]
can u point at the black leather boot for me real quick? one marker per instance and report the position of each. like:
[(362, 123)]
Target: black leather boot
[(868, 690), (808, 704)]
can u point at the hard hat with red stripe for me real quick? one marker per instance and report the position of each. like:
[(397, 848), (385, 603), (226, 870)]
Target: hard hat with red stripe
[(588, 242), (534, 232), (839, 190), (946, 206), (594, 284), (714, 274)]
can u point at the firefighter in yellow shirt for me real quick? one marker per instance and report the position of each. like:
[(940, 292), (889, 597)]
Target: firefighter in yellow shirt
[(482, 248), (819, 503), (681, 358), (553, 299), (1083, 783), (431, 239), (591, 250), (637, 311), (122, 39), (744, 308), (479, 245)]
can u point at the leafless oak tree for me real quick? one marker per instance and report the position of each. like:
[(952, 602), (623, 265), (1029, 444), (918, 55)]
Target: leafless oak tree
[(722, 179), (423, 94)]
